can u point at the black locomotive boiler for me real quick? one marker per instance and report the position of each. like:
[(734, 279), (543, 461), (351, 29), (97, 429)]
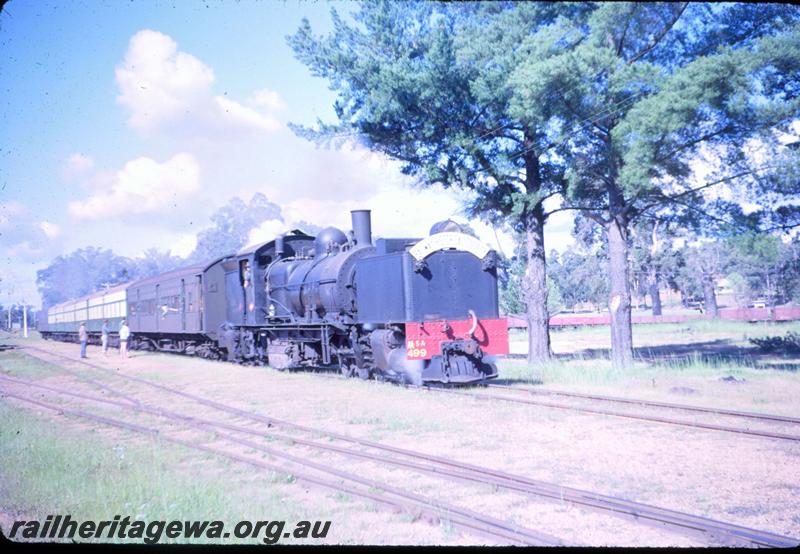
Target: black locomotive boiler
[(411, 310)]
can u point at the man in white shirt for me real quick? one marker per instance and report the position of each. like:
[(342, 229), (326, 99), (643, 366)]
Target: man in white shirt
[(124, 333)]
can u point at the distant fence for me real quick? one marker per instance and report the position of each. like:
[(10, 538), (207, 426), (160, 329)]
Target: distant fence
[(781, 313)]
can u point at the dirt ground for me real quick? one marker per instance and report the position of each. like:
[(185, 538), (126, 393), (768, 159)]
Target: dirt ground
[(744, 480)]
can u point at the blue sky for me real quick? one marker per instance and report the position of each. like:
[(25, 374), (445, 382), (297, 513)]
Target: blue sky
[(124, 125)]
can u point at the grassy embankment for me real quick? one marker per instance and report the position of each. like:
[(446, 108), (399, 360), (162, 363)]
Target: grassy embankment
[(679, 354), (70, 466)]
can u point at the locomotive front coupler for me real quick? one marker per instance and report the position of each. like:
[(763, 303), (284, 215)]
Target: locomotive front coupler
[(469, 347)]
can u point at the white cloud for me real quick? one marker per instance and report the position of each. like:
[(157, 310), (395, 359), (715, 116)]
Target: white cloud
[(19, 282), (183, 244), (157, 82), (268, 99), (558, 232), (267, 231), (24, 251), (329, 175), (51, 230), (166, 89), (244, 116), (24, 243), (76, 165), (141, 186), (9, 212)]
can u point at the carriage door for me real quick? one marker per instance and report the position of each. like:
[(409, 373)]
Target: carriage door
[(158, 304), (246, 282), (183, 305), (198, 291)]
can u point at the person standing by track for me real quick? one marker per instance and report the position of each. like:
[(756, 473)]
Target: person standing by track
[(124, 333), (83, 337), (104, 337)]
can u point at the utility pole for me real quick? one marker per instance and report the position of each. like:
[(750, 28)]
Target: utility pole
[(10, 307), (24, 320)]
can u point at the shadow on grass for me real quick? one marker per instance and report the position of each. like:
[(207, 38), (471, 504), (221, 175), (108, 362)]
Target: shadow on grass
[(718, 350), (779, 366), (709, 352)]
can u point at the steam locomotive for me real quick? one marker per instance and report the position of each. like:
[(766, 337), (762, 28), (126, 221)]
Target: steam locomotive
[(406, 310)]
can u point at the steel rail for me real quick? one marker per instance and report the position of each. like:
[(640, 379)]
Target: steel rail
[(646, 403), (617, 506), (704, 528), (457, 516), (654, 403), (638, 417)]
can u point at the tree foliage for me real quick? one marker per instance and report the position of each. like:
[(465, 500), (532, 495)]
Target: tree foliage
[(232, 225), (154, 262), (701, 267), (654, 263), (581, 276), (82, 272), (511, 273), (756, 265), (763, 266)]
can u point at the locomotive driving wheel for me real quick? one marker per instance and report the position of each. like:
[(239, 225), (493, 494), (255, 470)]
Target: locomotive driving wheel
[(348, 368), (364, 373), (364, 369)]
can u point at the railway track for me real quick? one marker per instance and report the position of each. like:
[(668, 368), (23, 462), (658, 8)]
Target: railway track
[(705, 529), (469, 390), (515, 398), (650, 403), (770, 418), (395, 498), (627, 401), (398, 499)]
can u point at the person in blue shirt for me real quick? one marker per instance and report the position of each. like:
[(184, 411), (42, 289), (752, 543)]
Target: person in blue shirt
[(104, 337), (83, 337)]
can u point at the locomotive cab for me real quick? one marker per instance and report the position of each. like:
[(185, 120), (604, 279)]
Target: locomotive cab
[(436, 305)]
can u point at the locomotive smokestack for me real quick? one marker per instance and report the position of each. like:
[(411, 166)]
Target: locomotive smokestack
[(362, 227), (279, 251)]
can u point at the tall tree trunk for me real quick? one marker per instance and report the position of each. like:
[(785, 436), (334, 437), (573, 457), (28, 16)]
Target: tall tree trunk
[(655, 295), (534, 283), (534, 289), (709, 296), (619, 304)]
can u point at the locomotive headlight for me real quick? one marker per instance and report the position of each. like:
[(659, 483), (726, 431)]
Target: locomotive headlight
[(271, 310)]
